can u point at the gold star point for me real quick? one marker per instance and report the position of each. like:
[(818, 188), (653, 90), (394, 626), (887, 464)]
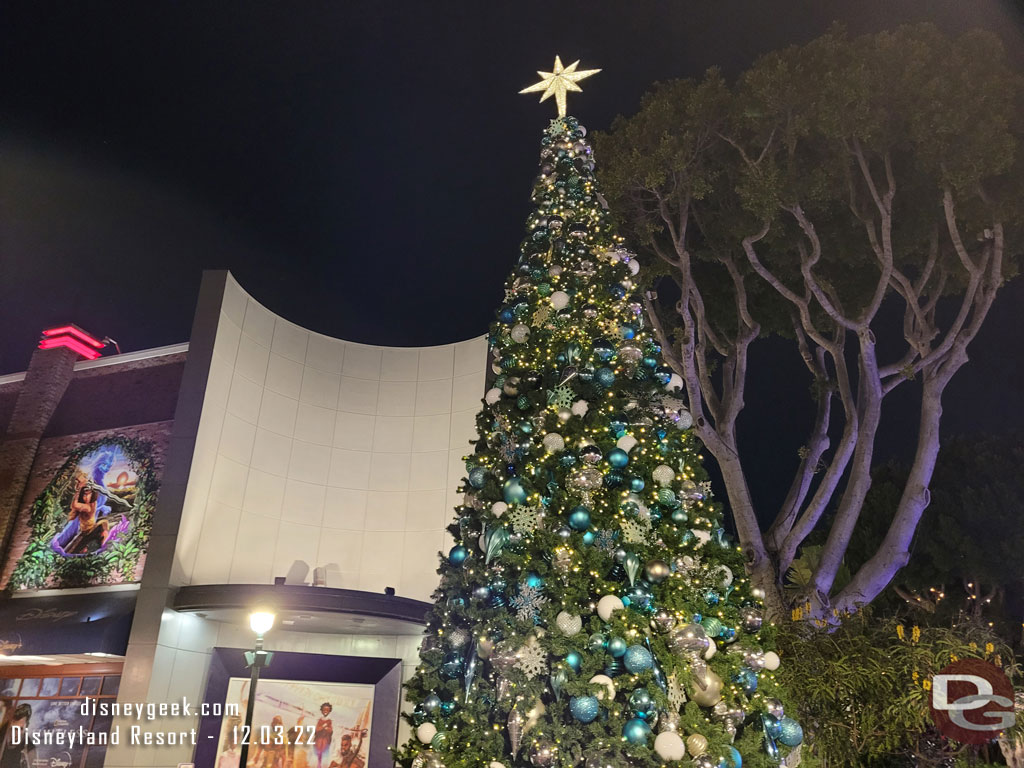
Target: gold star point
[(560, 81)]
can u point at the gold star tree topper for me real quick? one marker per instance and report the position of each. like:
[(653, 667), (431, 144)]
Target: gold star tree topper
[(559, 82)]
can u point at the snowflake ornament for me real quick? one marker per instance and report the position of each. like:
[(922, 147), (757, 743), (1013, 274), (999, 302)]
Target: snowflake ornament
[(636, 530), (541, 315), (525, 519), (676, 697), (560, 397), (531, 659), (705, 488), (528, 603), (605, 540)]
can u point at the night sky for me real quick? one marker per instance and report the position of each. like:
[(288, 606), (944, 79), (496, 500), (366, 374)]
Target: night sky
[(363, 168)]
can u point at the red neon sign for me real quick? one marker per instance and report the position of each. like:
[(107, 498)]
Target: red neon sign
[(74, 338)]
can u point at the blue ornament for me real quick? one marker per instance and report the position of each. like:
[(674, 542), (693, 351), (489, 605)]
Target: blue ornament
[(574, 660), (604, 377), (747, 680), (617, 647), (584, 708), (650, 362), (734, 759), (790, 732), (579, 518), (452, 666), (772, 726), (477, 477), (507, 315), (618, 458), (663, 375), (613, 668), (457, 555), (613, 479), (447, 707), (711, 597), (638, 659), (597, 642), (513, 491), (627, 330), (525, 427), (636, 484), (603, 349), (558, 679), (568, 460), (640, 702), (729, 634), (588, 538), (636, 731)]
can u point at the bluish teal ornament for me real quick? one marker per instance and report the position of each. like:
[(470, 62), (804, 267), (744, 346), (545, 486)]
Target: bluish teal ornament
[(574, 660), (605, 377), (579, 518), (728, 634), (598, 642), (568, 460), (746, 678), (477, 477), (613, 667), (772, 726), (494, 541), (588, 538), (603, 349), (679, 515), (613, 479), (636, 731), (667, 496), (790, 732), (640, 702), (558, 678), (457, 555), (627, 330), (663, 375), (734, 759), (523, 403), (506, 315), (525, 427), (513, 491), (617, 647), (711, 597), (452, 666), (447, 707), (618, 458), (636, 484), (534, 580), (638, 659), (584, 708), (650, 362)]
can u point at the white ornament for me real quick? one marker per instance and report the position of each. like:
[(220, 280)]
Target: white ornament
[(495, 764), (702, 537), (559, 299), (634, 267), (426, 732), (608, 694), (499, 508), (674, 382), (670, 746), (712, 649), (771, 661), (685, 419), (580, 408), (568, 624), (493, 395), (626, 443), (723, 573), (520, 333), (663, 475), (555, 270), (608, 605), (553, 442)]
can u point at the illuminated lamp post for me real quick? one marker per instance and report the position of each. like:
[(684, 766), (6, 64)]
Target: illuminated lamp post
[(260, 622)]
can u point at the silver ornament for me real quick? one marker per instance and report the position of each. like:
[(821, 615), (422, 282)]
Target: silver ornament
[(458, 637), (754, 659), (774, 708), (663, 621), (542, 754), (688, 639), (428, 759), (668, 721), (504, 658), (752, 619), (657, 571), (564, 414), (587, 479), (515, 730)]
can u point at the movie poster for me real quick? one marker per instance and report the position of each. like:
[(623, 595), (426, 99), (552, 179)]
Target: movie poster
[(299, 724), (91, 523)]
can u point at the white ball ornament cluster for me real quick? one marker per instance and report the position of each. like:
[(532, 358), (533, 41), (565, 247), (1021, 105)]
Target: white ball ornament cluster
[(669, 746), (553, 442), (568, 624), (559, 299), (499, 508), (608, 605), (426, 732), (520, 333), (580, 408), (663, 475), (771, 661), (626, 443), (608, 694), (493, 395)]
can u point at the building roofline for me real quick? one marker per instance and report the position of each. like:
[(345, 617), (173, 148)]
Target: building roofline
[(101, 362)]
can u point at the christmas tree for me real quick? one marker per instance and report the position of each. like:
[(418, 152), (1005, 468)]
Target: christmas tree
[(592, 611)]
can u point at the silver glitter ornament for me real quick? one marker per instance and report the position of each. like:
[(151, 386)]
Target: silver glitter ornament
[(663, 621)]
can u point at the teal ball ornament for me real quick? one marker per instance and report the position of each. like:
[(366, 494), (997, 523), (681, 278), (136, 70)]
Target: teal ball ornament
[(640, 702), (603, 349), (790, 732), (451, 666), (605, 377), (574, 660), (618, 458), (663, 375), (584, 708), (514, 492), (579, 518), (638, 659), (613, 667), (636, 484), (477, 477), (597, 642), (712, 626), (457, 555), (588, 538), (534, 580), (772, 726), (617, 647), (733, 759), (447, 707), (746, 678), (636, 731), (680, 516)]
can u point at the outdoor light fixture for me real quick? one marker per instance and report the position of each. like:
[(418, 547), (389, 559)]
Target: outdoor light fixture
[(260, 622)]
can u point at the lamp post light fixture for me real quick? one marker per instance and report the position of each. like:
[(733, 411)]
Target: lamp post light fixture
[(260, 622)]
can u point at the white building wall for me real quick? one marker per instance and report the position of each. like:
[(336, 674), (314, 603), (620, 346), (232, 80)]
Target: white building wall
[(316, 449)]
